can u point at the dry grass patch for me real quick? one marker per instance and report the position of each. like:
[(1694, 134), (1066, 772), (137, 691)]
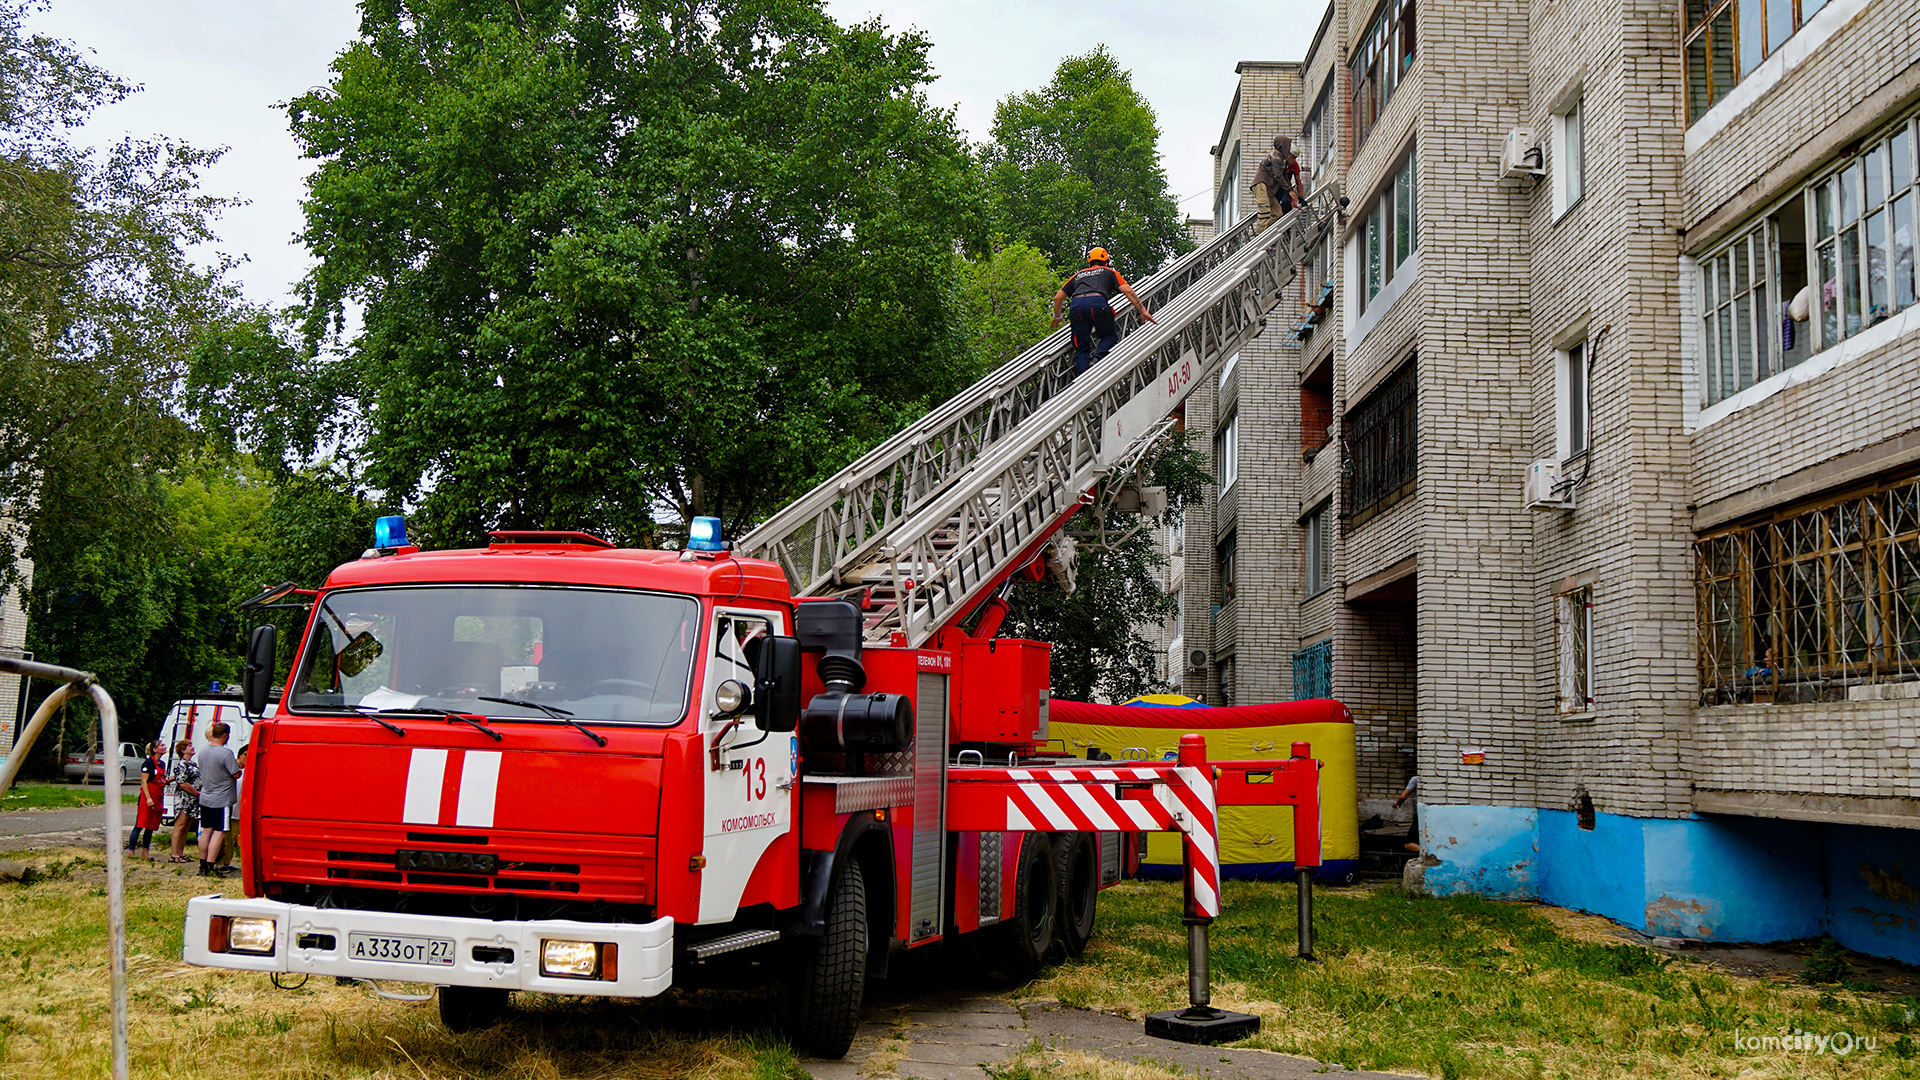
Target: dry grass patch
[(55, 1016)]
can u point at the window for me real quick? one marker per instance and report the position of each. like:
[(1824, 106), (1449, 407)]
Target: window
[(1863, 220), (1390, 234), (1229, 203), (1313, 671), (1573, 651), (1318, 137), (1833, 259), (1814, 601), (1726, 39), (1225, 558), (1316, 552), (1569, 158), (1316, 408), (1381, 455), (1385, 52), (1573, 410), (1226, 453)]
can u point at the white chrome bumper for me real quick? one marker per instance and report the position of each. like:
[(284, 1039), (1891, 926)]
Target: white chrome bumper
[(644, 968)]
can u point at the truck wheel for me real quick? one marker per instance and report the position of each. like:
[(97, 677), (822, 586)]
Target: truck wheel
[(1029, 934), (470, 1008), (1076, 868), (829, 981)]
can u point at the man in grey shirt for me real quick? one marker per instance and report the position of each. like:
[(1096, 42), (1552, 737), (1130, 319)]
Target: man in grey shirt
[(219, 788)]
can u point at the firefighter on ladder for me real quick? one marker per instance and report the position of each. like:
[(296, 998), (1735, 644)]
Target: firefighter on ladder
[(1086, 294)]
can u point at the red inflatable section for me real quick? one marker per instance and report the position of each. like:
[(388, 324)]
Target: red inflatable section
[(1317, 711)]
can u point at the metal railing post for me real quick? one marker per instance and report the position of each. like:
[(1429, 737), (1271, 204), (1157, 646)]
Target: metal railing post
[(84, 682)]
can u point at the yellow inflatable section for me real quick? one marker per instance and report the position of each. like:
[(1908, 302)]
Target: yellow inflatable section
[(1256, 842)]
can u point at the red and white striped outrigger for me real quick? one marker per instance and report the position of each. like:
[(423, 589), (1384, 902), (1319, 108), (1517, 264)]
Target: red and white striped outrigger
[(1158, 796)]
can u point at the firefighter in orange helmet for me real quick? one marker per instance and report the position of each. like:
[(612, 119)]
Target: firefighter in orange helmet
[(1086, 292)]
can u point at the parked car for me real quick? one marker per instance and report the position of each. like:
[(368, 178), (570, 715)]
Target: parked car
[(190, 718), (80, 768)]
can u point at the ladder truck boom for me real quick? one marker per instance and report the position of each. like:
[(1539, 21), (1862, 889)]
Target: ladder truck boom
[(844, 518), (941, 516)]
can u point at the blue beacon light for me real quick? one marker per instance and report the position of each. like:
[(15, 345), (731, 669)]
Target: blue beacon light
[(390, 532), (704, 535)]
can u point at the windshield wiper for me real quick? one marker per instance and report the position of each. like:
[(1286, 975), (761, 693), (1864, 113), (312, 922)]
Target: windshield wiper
[(428, 710), (561, 715), (355, 710)]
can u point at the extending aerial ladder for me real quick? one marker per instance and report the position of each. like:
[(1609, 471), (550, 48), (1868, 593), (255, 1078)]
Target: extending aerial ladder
[(931, 521)]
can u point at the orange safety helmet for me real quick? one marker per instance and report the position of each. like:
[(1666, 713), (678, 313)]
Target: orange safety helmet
[(1097, 255)]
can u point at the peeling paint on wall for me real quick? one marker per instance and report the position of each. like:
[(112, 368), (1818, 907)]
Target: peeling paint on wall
[(1889, 884)]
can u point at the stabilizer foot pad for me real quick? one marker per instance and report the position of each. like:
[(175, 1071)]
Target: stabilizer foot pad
[(1201, 1025)]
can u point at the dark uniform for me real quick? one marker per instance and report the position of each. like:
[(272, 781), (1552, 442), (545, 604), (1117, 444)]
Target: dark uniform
[(1091, 315)]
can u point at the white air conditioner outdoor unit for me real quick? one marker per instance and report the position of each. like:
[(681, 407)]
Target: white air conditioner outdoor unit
[(1519, 156), (1543, 488), (1197, 659)]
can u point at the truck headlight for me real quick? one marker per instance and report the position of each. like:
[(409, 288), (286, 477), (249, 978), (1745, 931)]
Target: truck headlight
[(249, 935), (578, 959)]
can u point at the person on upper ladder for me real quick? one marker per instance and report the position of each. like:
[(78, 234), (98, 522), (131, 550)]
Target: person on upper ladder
[(1087, 292), (1276, 185)]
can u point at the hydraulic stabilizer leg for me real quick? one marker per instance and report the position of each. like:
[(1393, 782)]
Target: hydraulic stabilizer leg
[(1199, 1022)]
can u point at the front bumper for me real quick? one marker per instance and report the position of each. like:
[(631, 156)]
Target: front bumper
[(644, 968)]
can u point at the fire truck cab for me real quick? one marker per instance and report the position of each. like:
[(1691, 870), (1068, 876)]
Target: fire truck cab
[(553, 765)]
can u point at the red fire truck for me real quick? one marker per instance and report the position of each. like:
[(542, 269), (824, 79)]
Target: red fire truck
[(554, 765)]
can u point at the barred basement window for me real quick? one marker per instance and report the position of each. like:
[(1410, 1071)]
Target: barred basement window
[(1313, 671), (1816, 601), (1381, 452), (1573, 651)]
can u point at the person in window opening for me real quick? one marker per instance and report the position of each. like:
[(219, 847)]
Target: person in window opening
[(1764, 668), (1087, 293), (1277, 183)]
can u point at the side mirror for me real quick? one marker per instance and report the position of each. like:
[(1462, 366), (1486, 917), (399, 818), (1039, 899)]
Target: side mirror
[(776, 693), (256, 679)]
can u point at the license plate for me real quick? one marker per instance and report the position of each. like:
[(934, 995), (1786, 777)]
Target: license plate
[(400, 949), (447, 862)]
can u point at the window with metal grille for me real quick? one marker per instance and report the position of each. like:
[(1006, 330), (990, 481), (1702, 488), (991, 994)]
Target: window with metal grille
[(1573, 651), (1815, 601), (1381, 457), (1313, 671)]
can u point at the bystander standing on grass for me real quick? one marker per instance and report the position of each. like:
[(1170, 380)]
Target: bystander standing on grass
[(185, 779)]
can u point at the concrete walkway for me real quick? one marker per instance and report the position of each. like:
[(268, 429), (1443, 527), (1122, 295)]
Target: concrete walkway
[(959, 1035)]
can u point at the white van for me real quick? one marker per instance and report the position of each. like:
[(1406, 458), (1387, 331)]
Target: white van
[(190, 718)]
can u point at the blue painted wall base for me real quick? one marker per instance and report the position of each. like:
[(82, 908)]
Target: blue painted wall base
[(1708, 879)]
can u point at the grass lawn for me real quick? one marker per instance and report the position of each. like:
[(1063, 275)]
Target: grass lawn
[(1452, 988), (40, 795), (56, 1016), (1466, 987)]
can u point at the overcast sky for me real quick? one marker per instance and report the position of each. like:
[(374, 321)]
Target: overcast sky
[(212, 71)]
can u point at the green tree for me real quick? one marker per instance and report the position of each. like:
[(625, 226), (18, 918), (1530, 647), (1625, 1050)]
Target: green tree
[(99, 302), (615, 257), (1008, 300), (1075, 165)]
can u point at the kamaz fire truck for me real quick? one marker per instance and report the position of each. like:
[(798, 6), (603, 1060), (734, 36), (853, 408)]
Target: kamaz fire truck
[(555, 765)]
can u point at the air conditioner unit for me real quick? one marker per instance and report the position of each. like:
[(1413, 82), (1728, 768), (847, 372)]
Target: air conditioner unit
[(1544, 491), (1520, 156), (1196, 659)]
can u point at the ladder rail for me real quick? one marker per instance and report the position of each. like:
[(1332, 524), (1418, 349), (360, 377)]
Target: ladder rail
[(819, 536), (960, 544)]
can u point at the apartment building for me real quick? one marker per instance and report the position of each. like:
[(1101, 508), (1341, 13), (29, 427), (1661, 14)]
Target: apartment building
[(1596, 486), (13, 643)]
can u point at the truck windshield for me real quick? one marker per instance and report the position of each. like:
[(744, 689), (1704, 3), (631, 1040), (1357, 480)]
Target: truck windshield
[(602, 656)]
